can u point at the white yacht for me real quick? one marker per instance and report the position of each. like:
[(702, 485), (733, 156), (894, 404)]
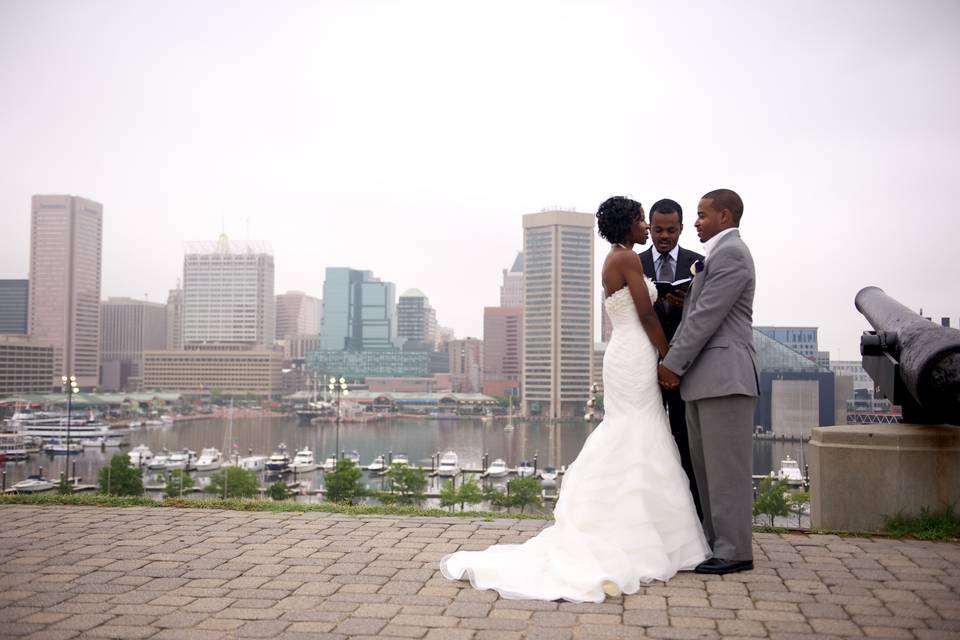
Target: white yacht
[(140, 455), (549, 474), (790, 471), (497, 468), (53, 426), (525, 469), (401, 459), (62, 448), (303, 462), (279, 462), (33, 484), (184, 459), (378, 465), (210, 460), (165, 419), (330, 464), (449, 464), (101, 442), (353, 456), (250, 463), (13, 446), (160, 461)]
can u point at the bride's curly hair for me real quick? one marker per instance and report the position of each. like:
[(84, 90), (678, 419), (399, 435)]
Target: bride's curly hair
[(615, 217)]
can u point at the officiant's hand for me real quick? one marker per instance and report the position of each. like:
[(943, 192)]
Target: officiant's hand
[(668, 379), (676, 297)]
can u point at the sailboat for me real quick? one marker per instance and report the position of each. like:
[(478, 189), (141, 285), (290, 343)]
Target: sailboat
[(509, 425)]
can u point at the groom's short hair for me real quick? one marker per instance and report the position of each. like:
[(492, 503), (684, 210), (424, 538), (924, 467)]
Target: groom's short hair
[(726, 199), (667, 206)]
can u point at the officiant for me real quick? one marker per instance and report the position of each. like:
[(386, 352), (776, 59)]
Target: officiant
[(667, 261)]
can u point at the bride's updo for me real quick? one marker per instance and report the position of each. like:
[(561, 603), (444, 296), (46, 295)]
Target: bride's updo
[(615, 217)]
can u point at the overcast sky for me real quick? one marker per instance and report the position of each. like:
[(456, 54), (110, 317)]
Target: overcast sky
[(410, 137)]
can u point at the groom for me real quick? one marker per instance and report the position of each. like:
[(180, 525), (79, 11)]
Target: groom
[(712, 352)]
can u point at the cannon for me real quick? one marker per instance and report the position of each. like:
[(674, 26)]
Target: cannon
[(914, 362)]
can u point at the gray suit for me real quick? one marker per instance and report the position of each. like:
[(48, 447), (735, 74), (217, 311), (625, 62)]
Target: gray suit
[(713, 353)]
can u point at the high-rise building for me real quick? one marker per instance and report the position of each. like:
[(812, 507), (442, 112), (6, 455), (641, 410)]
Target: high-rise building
[(66, 237), (175, 319), (359, 311), (466, 364), (128, 328), (199, 371), (25, 366), (228, 295), (297, 315), (511, 291), (416, 319), (502, 345), (558, 313), (803, 340), (14, 301)]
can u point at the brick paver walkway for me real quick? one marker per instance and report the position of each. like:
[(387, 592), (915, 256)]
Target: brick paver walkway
[(176, 573)]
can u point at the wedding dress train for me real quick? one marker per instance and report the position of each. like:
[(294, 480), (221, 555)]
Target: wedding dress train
[(625, 513)]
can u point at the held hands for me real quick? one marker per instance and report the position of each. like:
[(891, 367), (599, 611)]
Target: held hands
[(668, 379)]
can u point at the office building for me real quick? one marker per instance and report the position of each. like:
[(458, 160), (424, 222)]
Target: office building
[(14, 302), (228, 294), (558, 313), (66, 235), (128, 328), (297, 315), (511, 291), (359, 365), (416, 319), (174, 340), (359, 311), (502, 346), (26, 366), (803, 340), (201, 371), (466, 364)]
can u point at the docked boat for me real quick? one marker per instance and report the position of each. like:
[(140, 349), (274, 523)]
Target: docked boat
[(330, 464), (184, 459), (62, 448), (160, 461), (525, 469), (790, 471), (449, 464), (140, 455), (250, 463), (378, 465), (33, 484), (400, 459), (549, 474), (279, 462), (166, 419), (13, 446), (54, 426), (303, 461), (136, 424), (497, 468), (353, 457), (210, 460), (101, 442)]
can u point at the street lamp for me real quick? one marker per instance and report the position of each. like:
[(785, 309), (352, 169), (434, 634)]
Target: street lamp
[(338, 387), (592, 402), (69, 387)]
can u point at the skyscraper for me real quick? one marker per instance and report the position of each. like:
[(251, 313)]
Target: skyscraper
[(502, 345), (557, 312), (174, 340), (64, 310), (466, 364), (128, 328), (228, 295), (416, 319), (297, 315), (14, 301), (511, 291), (359, 311)]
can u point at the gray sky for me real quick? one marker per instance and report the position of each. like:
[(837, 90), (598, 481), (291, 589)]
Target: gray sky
[(409, 137)]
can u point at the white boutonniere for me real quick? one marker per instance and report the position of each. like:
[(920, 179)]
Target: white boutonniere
[(696, 267)]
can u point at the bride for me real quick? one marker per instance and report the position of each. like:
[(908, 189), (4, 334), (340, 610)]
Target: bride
[(625, 515)]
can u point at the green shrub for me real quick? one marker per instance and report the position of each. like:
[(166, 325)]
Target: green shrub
[(120, 477), (233, 482), (345, 484)]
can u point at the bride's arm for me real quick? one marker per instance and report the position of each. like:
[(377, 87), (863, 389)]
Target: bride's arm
[(633, 274)]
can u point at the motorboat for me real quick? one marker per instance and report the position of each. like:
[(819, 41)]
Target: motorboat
[(33, 484), (160, 461), (790, 471), (303, 461), (279, 461), (525, 469), (210, 459), (378, 465), (250, 463), (549, 474), (63, 448), (184, 459), (353, 457), (140, 455), (101, 442), (497, 468), (330, 464), (400, 459), (136, 424), (165, 419), (449, 464)]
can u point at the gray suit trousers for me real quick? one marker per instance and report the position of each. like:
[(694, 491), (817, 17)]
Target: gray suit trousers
[(721, 446)]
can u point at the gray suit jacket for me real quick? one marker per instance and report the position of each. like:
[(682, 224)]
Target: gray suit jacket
[(713, 348)]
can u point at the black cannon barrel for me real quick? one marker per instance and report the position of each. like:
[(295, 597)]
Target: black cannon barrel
[(928, 354)]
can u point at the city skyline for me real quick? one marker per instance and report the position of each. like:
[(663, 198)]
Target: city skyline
[(362, 136)]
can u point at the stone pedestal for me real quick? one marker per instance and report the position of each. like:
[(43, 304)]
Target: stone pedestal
[(861, 473)]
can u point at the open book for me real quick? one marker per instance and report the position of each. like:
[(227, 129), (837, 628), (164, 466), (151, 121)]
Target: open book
[(663, 288)]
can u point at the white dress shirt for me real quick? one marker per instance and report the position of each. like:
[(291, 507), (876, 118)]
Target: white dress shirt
[(709, 245)]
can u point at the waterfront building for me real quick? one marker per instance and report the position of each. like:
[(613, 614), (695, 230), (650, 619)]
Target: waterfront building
[(296, 348), (558, 313), (66, 235), (416, 319), (358, 365), (803, 340), (128, 328), (297, 315), (466, 364), (228, 294), (359, 311), (174, 340), (26, 366), (511, 291), (861, 396), (14, 302), (502, 346), (232, 371)]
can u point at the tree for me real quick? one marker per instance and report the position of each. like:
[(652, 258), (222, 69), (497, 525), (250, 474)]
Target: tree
[(469, 493), (524, 492), (345, 483), (178, 481), (278, 490), (771, 499), (449, 496), (120, 477), (233, 482), (407, 483), (63, 487), (799, 499)]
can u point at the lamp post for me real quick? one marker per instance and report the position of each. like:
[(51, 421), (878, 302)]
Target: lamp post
[(338, 387), (592, 402), (69, 387)]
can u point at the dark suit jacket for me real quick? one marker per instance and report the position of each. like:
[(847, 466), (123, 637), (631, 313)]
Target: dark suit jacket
[(685, 259)]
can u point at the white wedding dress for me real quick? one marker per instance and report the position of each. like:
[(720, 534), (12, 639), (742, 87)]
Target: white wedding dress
[(625, 513)]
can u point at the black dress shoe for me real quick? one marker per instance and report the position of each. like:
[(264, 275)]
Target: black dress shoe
[(719, 566)]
